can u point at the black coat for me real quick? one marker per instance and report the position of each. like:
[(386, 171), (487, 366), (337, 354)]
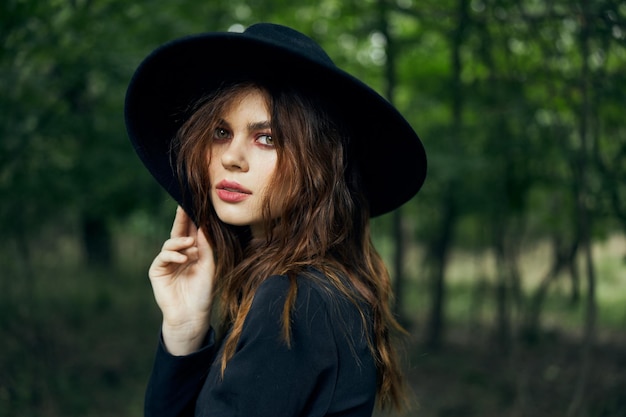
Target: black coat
[(328, 371)]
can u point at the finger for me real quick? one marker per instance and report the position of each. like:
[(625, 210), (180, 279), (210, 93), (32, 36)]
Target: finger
[(192, 230), (193, 254), (178, 243), (167, 257), (202, 241), (180, 227)]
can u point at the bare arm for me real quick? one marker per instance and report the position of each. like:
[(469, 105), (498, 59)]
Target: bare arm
[(182, 277)]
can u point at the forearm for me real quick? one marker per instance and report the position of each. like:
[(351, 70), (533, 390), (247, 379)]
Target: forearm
[(176, 380)]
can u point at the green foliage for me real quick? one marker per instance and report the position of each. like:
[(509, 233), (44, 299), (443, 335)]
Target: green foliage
[(519, 104)]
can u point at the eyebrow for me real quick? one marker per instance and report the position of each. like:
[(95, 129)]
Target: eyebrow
[(266, 124), (259, 126)]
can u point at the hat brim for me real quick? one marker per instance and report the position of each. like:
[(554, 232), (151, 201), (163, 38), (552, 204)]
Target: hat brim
[(389, 153)]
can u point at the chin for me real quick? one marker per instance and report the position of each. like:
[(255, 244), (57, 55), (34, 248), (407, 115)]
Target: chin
[(233, 218)]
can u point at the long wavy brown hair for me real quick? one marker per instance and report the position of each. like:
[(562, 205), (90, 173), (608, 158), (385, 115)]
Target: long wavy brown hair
[(323, 222)]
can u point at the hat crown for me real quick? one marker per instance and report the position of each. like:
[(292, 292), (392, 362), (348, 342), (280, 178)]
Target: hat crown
[(390, 156), (285, 37)]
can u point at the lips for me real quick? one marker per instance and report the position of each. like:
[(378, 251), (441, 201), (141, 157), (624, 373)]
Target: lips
[(231, 191)]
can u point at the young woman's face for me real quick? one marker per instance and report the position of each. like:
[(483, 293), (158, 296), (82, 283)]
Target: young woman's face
[(242, 162)]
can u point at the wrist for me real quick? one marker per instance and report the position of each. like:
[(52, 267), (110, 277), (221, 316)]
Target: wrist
[(184, 338)]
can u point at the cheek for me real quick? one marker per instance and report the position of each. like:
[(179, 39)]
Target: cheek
[(266, 180), (269, 171), (210, 163)]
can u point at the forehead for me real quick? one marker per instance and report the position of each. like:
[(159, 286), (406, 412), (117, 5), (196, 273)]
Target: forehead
[(246, 95)]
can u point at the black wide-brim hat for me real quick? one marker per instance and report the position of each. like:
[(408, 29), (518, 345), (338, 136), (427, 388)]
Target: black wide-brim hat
[(388, 152)]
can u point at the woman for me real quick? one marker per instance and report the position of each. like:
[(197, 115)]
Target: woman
[(277, 159)]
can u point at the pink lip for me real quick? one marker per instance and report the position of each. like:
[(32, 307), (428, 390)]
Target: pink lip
[(231, 191)]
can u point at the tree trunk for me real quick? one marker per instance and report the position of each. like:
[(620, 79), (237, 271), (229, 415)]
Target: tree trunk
[(503, 303), (440, 247), (438, 254), (398, 232), (563, 258), (579, 400), (97, 241)]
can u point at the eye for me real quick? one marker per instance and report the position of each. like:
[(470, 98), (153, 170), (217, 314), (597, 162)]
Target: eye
[(220, 133), (265, 140)]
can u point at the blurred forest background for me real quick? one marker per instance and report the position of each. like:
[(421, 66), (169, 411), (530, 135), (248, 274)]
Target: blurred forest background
[(509, 266)]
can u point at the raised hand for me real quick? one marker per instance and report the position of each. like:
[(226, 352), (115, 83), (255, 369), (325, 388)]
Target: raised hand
[(182, 277)]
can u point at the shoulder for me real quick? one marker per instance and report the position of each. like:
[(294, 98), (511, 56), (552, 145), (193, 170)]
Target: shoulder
[(309, 301), (304, 291), (304, 294), (290, 318)]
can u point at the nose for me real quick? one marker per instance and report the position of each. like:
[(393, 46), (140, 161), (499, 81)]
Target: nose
[(233, 155)]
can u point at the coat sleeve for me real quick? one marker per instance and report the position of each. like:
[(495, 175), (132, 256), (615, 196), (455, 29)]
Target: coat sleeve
[(265, 376), (176, 380)]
